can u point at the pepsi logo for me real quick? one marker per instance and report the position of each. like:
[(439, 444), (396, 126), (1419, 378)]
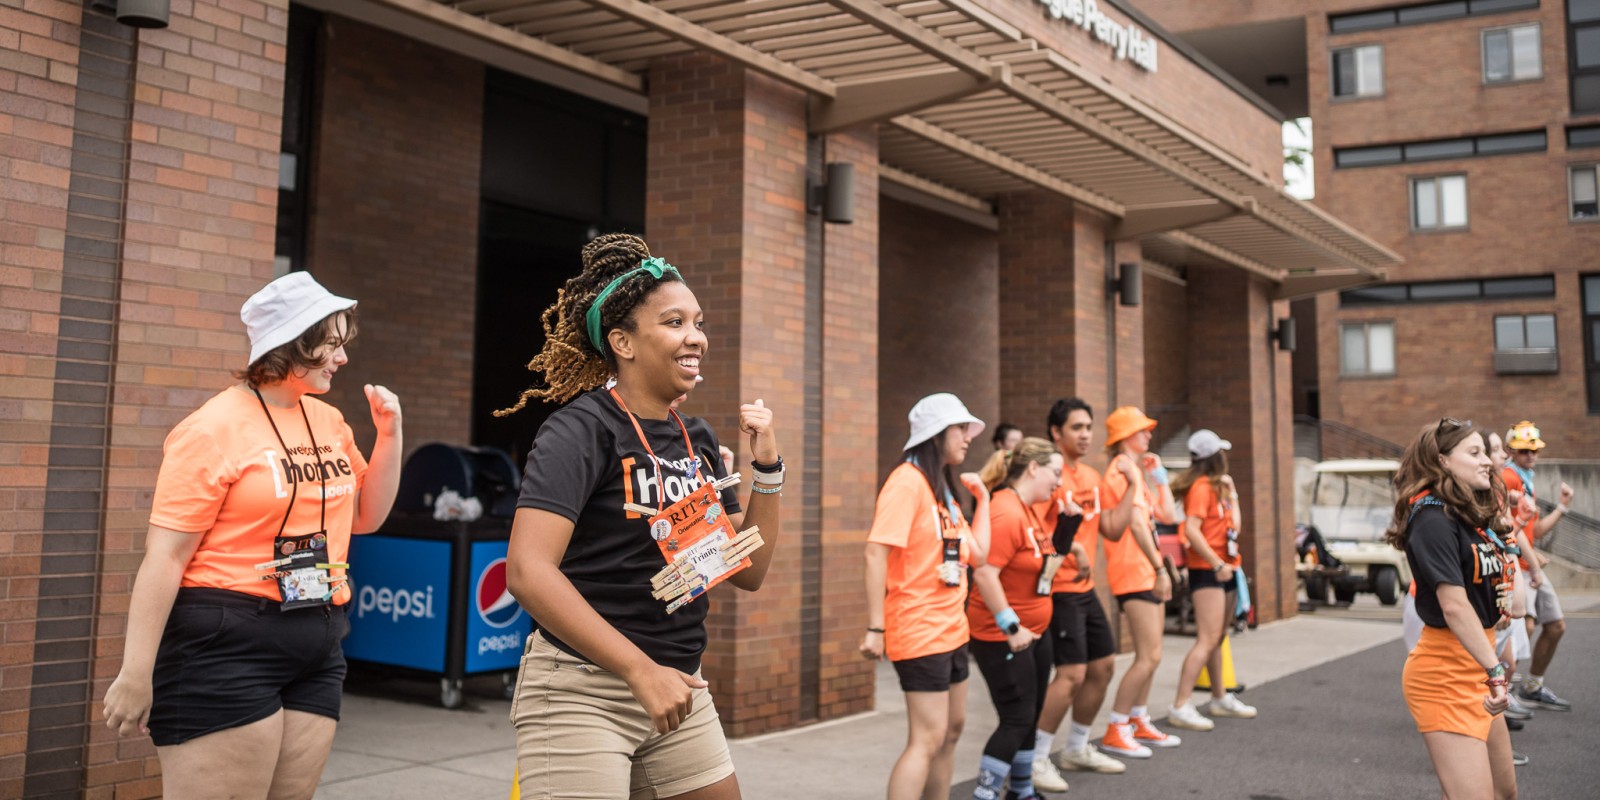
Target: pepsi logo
[(496, 607)]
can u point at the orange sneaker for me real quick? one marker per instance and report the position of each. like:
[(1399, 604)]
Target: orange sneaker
[(1119, 741), (1145, 733)]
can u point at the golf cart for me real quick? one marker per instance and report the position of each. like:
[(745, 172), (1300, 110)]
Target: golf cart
[(1352, 503)]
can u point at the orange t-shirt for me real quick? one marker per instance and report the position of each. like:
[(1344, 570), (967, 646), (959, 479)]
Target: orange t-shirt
[(1018, 543), (921, 615), (1514, 484), (1128, 569), (1082, 484), (1215, 518), (225, 478)]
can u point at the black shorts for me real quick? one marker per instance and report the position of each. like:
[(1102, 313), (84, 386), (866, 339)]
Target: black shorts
[(229, 659), (933, 673), (1206, 579), (1082, 631), (1147, 595)]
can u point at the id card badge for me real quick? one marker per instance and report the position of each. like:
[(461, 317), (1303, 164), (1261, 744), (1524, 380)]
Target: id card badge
[(700, 547), (301, 571), (1047, 573), (1233, 543), (950, 567)]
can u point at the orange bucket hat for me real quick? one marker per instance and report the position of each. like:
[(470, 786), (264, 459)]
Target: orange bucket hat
[(1126, 421)]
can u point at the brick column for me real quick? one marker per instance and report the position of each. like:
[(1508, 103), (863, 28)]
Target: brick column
[(726, 202), (1239, 386)]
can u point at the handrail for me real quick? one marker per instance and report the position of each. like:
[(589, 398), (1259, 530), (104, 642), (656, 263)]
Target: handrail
[(1338, 440), (1575, 538)]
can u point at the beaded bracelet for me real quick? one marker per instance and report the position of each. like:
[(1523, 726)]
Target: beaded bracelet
[(759, 489)]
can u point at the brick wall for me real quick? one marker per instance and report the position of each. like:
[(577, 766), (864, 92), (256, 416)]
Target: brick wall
[(394, 222), (937, 276), (1166, 351)]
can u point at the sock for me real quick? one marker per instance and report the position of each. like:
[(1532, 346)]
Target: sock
[(1140, 712), (1517, 678), (1022, 773), (1119, 719), (1534, 682), (1042, 742), (991, 778), (1077, 736)]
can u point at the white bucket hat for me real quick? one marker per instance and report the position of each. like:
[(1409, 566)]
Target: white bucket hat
[(936, 412), (286, 308), (1205, 443)]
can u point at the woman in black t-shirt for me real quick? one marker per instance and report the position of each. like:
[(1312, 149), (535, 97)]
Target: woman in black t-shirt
[(609, 700), (1444, 521)]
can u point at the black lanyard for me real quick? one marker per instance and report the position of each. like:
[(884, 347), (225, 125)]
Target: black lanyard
[(316, 459)]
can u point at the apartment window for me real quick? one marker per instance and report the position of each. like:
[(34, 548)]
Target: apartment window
[(1532, 286), (1583, 46), (1366, 348), (1358, 71), (1511, 54), (1489, 144), (1525, 344), (1579, 136), (1591, 338), (1583, 189), (1418, 13), (1439, 203)]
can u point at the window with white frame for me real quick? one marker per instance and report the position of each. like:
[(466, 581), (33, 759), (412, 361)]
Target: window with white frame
[(1439, 202), (1358, 71), (1511, 54), (1525, 332), (1366, 348), (1583, 190)]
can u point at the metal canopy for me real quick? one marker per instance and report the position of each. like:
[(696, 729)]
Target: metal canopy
[(971, 109)]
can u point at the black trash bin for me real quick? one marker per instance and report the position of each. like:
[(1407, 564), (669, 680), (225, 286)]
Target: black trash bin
[(430, 595)]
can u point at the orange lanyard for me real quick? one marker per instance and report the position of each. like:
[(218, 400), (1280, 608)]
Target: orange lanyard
[(656, 462)]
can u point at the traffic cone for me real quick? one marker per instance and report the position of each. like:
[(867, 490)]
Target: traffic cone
[(1229, 679), (516, 784)]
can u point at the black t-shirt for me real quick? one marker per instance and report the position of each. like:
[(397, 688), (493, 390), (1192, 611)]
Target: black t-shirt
[(586, 462), (1444, 551)]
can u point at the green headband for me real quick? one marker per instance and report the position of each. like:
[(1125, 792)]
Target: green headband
[(655, 266)]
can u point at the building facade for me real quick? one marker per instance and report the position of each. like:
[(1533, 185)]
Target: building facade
[(1013, 167), (1463, 136)]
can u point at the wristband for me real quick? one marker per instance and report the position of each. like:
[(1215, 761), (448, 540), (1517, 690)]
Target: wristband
[(776, 488), (874, 630), (1159, 476), (1563, 508), (1497, 671), (776, 466), (768, 478), (1006, 619)]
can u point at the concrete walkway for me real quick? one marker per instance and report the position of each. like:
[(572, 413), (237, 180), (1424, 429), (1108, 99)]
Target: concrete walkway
[(395, 742)]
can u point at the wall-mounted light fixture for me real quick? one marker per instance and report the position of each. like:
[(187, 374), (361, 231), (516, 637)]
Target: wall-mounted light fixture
[(835, 199), (1284, 334), (1127, 286), (136, 13)]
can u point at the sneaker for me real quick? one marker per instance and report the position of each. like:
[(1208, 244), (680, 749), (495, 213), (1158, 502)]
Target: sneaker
[(1119, 741), (1543, 698), (1186, 717), (1231, 706), (1515, 724), (1045, 776), (1518, 759), (1515, 709), (1145, 733), (1087, 759)]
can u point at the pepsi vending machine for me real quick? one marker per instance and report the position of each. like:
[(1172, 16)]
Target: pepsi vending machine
[(431, 596)]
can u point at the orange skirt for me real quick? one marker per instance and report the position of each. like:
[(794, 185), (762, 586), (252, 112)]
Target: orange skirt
[(1443, 686)]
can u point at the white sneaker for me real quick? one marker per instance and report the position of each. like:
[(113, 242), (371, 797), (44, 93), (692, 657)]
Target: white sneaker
[(1087, 759), (1045, 776), (1186, 717), (1231, 706)]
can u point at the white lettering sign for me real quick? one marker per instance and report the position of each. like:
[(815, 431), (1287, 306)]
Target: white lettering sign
[(1129, 42)]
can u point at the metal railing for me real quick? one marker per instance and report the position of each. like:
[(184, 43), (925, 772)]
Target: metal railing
[(1322, 440), (1575, 538)]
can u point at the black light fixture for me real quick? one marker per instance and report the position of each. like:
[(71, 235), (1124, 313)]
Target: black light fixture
[(1284, 334), (143, 13), (1127, 286), (835, 199)]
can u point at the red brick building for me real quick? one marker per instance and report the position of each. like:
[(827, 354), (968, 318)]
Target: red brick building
[(444, 163), (1463, 136)]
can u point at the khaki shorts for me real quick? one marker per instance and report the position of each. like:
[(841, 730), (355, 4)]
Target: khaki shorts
[(581, 735)]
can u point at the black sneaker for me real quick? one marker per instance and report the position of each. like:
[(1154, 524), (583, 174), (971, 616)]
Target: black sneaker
[(1513, 724), (1543, 698)]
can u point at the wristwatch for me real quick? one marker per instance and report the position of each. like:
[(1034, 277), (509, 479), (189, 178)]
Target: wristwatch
[(1012, 629)]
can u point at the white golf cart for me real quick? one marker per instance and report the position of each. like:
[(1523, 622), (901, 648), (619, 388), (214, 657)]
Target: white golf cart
[(1352, 503)]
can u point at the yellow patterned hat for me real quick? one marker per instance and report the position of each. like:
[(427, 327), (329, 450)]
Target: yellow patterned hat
[(1524, 436)]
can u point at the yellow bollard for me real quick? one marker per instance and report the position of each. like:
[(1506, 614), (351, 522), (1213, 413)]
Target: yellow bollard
[(1229, 679), (516, 784)]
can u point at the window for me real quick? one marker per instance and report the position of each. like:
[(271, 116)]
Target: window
[(1439, 203), (1418, 13), (1358, 71), (1525, 344), (1366, 348), (1591, 339), (1583, 136), (1584, 191), (1511, 54), (1451, 291), (1583, 45), (1489, 144)]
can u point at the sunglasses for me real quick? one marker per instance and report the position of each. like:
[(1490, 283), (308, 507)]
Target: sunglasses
[(1449, 424)]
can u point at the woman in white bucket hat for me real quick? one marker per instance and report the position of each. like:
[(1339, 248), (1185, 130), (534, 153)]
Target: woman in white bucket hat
[(918, 552), (232, 662)]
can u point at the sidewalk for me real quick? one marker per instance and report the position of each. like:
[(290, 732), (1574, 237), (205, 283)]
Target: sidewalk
[(395, 742)]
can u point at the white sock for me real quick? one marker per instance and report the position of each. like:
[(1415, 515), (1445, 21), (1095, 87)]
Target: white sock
[(1077, 736), (1140, 712), (1535, 682), (1119, 719), (1042, 742)]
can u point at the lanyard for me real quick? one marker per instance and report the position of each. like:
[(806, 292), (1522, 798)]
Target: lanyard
[(1527, 478), (316, 459), (661, 493), (1426, 498)]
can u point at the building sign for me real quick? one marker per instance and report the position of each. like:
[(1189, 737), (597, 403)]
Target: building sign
[(1129, 41)]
